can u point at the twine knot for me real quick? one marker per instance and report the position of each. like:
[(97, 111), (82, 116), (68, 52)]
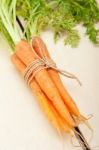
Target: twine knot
[(44, 63)]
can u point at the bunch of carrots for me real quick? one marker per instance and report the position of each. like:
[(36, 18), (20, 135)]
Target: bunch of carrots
[(47, 86)]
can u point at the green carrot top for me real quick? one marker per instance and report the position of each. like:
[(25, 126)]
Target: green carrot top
[(8, 25), (62, 17)]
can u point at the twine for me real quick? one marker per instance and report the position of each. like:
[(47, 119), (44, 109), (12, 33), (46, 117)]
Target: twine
[(42, 63)]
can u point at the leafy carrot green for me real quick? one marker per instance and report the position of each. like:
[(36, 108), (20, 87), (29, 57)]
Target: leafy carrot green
[(6, 35), (62, 17), (8, 25)]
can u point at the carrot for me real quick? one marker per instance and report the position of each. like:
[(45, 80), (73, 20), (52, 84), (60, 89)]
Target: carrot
[(46, 105), (25, 53), (38, 93), (52, 114), (64, 126), (39, 46)]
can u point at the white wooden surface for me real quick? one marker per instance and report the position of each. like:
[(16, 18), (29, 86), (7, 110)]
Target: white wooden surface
[(22, 123)]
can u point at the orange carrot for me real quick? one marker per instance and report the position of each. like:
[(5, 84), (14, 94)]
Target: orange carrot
[(40, 47), (25, 53), (46, 105), (38, 93)]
